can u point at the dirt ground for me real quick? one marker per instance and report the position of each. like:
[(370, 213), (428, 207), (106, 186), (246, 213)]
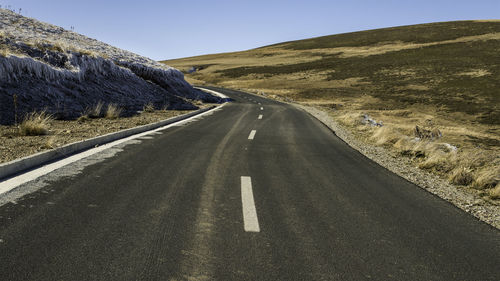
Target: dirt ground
[(61, 132)]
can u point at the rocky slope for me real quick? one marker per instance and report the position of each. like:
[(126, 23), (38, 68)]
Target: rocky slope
[(45, 67)]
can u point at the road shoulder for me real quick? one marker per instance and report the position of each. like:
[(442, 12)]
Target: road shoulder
[(483, 210)]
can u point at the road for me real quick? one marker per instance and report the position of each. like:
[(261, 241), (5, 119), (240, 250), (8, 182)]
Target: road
[(258, 190)]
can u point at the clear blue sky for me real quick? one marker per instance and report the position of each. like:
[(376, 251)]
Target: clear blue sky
[(179, 28)]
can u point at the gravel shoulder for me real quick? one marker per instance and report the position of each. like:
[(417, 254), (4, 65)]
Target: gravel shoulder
[(464, 198)]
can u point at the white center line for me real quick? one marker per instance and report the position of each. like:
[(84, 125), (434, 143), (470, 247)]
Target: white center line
[(250, 221), (260, 116), (261, 108), (252, 134)]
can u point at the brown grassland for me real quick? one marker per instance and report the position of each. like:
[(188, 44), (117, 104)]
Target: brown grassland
[(439, 76)]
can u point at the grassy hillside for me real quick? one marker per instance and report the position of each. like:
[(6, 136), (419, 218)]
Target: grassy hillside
[(442, 76)]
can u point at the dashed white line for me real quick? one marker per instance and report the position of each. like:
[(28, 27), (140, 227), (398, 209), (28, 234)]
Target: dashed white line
[(250, 220), (261, 108), (260, 116), (252, 134)]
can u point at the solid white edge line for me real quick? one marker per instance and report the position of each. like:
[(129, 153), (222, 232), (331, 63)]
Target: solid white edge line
[(220, 95), (252, 134), (8, 185), (250, 220)]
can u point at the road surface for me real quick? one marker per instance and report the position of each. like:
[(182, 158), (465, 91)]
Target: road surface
[(258, 190)]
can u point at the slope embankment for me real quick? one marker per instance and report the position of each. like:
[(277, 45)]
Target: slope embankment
[(47, 68)]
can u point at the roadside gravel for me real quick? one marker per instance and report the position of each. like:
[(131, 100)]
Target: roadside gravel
[(465, 199)]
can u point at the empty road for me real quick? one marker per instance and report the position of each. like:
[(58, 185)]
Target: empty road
[(258, 190)]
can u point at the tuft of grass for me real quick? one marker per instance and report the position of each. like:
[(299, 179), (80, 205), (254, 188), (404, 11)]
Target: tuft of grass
[(95, 111), (4, 51), (113, 111), (35, 124), (350, 118), (385, 135), (462, 176), (83, 118), (149, 107), (488, 177), (88, 53), (59, 46), (440, 162), (495, 192), (50, 143)]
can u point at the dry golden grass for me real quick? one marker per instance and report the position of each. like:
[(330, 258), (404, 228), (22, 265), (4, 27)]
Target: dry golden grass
[(149, 107), (495, 192), (83, 118), (488, 177), (95, 111), (461, 176), (405, 86), (50, 143), (385, 136), (4, 51), (88, 53), (35, 124), (475, 73), (349, 118), (113, 111), (440, 162), (382, 48)]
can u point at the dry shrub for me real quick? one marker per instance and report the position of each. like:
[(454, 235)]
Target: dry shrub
[(50, 143), (488, 177), (35, 124), (88, 53), (404, 144), (495, 192), (113, 111), (431, 133), (59, 46), (440, 162), (4, 52), (350, 118), (83, 118), (475, 158), (95, 111), (149, 107), (385, 135), (462, 176)]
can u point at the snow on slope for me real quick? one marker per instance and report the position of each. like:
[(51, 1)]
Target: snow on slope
[(45, 67)]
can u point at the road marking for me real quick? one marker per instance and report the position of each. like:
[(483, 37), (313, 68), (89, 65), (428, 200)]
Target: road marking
[(11, 183), (259, 103), (252, 134), (250, 220), (260, 116), (261, 108)]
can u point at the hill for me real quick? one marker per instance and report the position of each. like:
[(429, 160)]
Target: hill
[(439, 76), (45, 67)]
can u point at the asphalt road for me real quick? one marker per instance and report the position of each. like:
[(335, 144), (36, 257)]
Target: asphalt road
[(172, 208)]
